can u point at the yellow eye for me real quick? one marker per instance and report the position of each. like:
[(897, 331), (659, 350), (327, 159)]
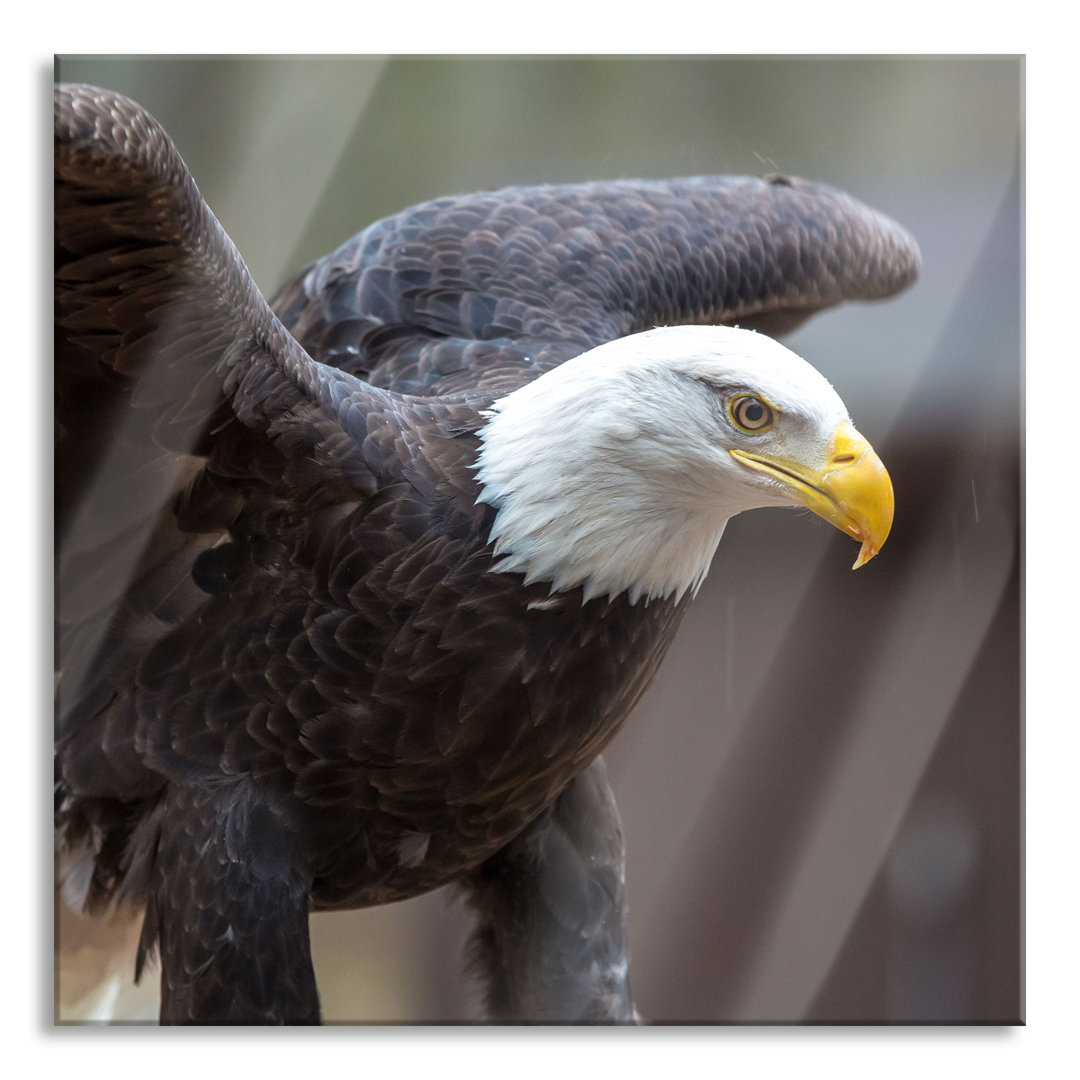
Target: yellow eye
[(751, 413)]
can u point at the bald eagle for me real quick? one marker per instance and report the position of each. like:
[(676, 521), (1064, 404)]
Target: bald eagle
[(354, 587)]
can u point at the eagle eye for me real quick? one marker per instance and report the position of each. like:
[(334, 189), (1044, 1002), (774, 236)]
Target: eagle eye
[(751, 413)]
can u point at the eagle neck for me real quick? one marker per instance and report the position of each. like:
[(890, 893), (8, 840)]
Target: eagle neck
[(594, 497)]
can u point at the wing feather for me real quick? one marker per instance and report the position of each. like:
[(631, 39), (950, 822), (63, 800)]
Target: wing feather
[(167, 357), (483, 290)]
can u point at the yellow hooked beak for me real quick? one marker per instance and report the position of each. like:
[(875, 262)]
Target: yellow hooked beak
[(851, 491)]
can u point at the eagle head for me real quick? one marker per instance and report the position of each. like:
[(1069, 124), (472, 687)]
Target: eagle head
[(619, 469)]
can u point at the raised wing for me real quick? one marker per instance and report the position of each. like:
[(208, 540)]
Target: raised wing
[(179, 396), (462, 293)]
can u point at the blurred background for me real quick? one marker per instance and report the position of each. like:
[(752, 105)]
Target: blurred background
[(821, 793)]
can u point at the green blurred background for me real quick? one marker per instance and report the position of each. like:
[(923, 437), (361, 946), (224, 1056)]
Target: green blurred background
[(821, 793)]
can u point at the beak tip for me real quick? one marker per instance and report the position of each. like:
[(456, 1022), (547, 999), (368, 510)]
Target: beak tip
[(866, 553)]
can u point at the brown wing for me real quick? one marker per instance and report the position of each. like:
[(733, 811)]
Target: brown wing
[(464, 292), (178, 394)]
